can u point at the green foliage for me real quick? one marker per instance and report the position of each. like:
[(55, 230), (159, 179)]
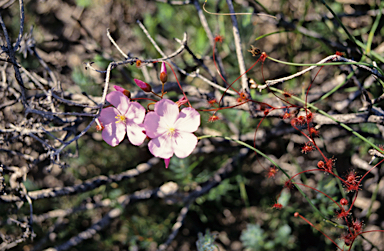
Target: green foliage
[(84, 3), (255, 238), (85, 82), (206, 242), (328, 186)]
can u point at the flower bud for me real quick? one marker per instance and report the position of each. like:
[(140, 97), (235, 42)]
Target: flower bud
[(138, 63), (122, 90), (181, 101), (163, 73), (143, 86)]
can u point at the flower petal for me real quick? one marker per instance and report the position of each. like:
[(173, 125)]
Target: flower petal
[(188, 120), (161, 147), (135, 113), (119, 100), (108, 115), (113, 133), (154, 127), (184, 144), (135, 133), (167, 109)]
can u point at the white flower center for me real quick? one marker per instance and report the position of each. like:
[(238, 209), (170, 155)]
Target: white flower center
[(171, 132)]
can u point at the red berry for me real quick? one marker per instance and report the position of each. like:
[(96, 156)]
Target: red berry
[(344, 201)]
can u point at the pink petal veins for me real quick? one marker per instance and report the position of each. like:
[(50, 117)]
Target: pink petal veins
[(113, 132), (135, 133), (167, 109), (118, 100), (184, 144), (135, 113), (161, 147), (151, 125), (188, 120), (108, 115)]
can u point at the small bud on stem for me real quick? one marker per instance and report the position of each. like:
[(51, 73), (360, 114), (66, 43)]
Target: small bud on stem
[(143, 86), (163, 73)]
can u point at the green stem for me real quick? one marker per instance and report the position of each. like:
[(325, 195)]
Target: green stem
[(373, 30), (341, 188), (272, 33), (350, 75), (352, 38), (262, 6), (373, 199), (373, 53)]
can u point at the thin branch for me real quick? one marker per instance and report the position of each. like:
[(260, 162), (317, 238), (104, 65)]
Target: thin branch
[(334, 58), (164, 191), (239, 53), (176, 227), (11, 54), (208, 31), (87, 185), (21, 4), (115, 44)]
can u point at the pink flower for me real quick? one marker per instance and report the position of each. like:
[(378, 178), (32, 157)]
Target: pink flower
[(125, 117), (171, 131)]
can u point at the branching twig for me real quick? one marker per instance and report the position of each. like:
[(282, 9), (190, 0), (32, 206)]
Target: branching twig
[(84, 186), (239, 53)]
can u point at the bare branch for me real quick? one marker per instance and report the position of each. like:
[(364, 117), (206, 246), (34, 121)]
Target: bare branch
[(84, 186), (239, 53)]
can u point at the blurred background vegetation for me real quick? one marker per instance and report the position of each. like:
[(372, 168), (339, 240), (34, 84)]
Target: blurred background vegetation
[(238, 213)]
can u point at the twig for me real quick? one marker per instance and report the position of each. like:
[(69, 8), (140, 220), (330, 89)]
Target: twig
[(84, 186), (12, 57), (334, 58), (280, 80), (117, 47), (151, 39), (176, 227), (240, 58), (161, 192), (196, 74), (21, 4), (175, 2), (208, 31), (352, 118)]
